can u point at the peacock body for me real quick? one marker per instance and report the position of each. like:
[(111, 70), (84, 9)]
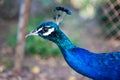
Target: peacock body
[(97, 66)]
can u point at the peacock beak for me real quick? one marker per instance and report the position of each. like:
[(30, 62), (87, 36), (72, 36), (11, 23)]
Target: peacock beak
[(32, 33)]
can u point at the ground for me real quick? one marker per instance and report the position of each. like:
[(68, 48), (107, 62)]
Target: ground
[(43, 69)]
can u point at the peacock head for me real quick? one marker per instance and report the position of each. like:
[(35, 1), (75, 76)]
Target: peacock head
[(45, 30), (49, 29)]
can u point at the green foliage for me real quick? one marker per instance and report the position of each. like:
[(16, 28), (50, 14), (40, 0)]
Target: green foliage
[(85, 3), (34, 44), (112, 1), (12, 40)]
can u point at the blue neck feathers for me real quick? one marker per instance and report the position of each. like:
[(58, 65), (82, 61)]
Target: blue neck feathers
[(61, 40)]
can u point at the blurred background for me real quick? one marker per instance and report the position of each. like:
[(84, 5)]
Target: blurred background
[(93, 25)]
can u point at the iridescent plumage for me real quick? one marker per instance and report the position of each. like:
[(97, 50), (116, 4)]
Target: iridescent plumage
[(97, 66)]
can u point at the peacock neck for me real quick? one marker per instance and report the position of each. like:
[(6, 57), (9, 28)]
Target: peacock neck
[(62, 40)]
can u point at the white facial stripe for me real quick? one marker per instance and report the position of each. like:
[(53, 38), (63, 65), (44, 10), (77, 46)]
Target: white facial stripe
[(47, 26), (49, 32), (39, 29)]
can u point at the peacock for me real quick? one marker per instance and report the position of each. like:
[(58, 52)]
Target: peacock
[(97, 66)]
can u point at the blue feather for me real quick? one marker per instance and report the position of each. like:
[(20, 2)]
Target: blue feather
[(63, 9), (97, 66)]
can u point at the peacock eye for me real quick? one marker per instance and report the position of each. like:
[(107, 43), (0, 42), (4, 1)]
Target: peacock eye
[(44, 29)]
